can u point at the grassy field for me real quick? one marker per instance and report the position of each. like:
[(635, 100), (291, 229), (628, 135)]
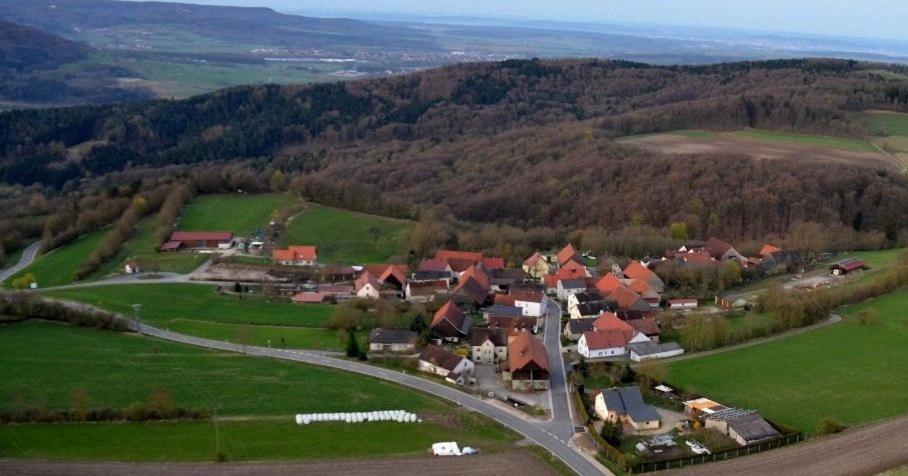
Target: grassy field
[(806, 139), (886, 123), (198, 310), (45, 362), (347, 237), (57, 267), (852, 372), (141, 247), (241, 214)]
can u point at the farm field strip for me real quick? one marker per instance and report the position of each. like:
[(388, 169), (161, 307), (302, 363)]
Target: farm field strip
[(240, 214)]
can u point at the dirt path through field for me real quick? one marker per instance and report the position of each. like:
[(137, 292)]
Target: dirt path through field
[(726, 143), (865, 450), (510, 462)]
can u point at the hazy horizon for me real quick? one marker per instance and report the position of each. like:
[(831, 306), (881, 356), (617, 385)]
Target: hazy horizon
[(879, 19)]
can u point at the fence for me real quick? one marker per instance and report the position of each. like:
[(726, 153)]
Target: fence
[(779, 442)]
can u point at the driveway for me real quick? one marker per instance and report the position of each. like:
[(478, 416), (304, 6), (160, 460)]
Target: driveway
[(562, 423)]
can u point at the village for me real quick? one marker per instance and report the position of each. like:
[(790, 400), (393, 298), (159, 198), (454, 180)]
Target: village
[(490, 322)]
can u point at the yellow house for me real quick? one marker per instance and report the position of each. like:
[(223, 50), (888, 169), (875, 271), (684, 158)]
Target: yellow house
[(537, 266)]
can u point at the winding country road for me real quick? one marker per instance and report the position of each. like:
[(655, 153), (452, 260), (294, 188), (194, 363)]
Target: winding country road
[(28, 256)]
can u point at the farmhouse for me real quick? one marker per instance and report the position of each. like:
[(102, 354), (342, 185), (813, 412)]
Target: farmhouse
[(528, 364), (591, 309), (392, 340), (637, 271), (295, 256), (646, 326), (780, 260), (221, 240), (514, 323), (625, 404), (436, 360), (576, 327), (746, 427), (449, 323), (625, 298), (389, 275), (610, 337), (567, 254), (721, 251), (583, 298), (846, 266), (533, 303), (459, 261), (488, 345)]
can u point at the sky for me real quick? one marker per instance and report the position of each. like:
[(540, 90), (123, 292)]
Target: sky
[(861, 18)]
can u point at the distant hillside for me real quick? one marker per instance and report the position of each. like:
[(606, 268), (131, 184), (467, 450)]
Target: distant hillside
[(27, 49), (38, 67), (237, 25), (474, 137)]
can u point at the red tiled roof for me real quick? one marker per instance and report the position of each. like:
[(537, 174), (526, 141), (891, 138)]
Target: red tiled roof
[(493, 263), (598, 340), (473, 289), (551, 280), (646, 326), (220, 236), (716, 247), (623, 296), (504, 299), (513, 322), (446, 255), (383, 272), (427, 288), (636, 270), (768, 249), (567, 253), (450, 317), (440, 357), (609, 322), (478, 274), (366, 278), (433, 265), (293, 253), (309, 297), (524, 349), (526, 295), (171, 245), (608, 284), (532, 260), (639, 286)]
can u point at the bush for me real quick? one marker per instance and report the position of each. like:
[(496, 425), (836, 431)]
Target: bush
[(24, 282), (611, 432), (31, 306), (829, 425)]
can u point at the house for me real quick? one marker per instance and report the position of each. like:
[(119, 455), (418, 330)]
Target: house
[(576, 327), (514, 323), (537, 266), (568, 253), (641, 351), (502, 279), (492, 263), (502, 310), (435, 265), (528, 364), (221, 240), (488, 345), (309, 298), (295, 256), (131, 267), (646, 326), (367, 286), (721, 251), (425, 291), (624, 298), (459, 261), (389, 275), (392, 340), (682, 303), (846, 266), (566, 287), (746, 427), (449, 323), (583, 298), (637, 271), (610, 337), (437, 360), (591, 309), (470, 294), (533, 303), (608, 284), (625, 404)]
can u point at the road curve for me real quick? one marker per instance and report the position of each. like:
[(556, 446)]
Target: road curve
[(558, 445), (28, 256)]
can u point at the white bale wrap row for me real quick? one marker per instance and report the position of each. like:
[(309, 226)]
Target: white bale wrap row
[(400, 416)]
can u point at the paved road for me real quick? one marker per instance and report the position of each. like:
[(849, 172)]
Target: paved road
[(863, 450), (561, 423), (557, 444), (28, 256)]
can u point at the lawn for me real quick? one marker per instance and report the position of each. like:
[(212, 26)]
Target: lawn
[(56, 267), (347, 237), (852, 372), (886, 123), (241, 214), (141, 247), (197, 309), (44, 362), (806, 140)]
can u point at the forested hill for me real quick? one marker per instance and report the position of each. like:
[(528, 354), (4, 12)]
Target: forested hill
[(24, 49), (328, 131)]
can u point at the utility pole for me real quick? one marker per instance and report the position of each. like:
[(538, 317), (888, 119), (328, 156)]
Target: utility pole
[(137, 314)]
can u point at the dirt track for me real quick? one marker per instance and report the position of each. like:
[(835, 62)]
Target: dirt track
[(867, 450), (725, 143), (511, 462)]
